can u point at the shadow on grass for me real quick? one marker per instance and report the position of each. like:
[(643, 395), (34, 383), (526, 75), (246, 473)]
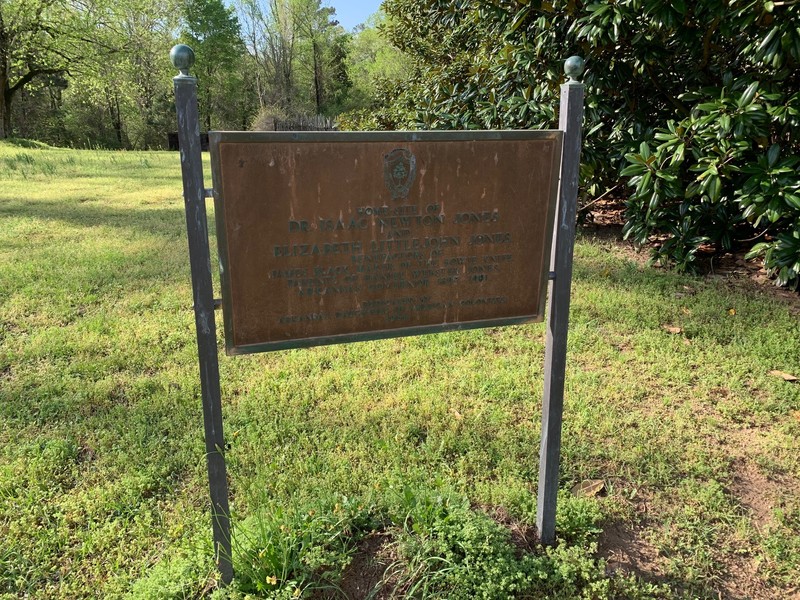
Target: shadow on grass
[(23, 143), (148, 218)]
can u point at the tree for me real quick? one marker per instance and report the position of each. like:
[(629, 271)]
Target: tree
[(337, 83), (372, 56), (95, 54), (270, 36), (300, 50), (213, 32), (324, 52), (138, 76), (381, 73), (38, 38)]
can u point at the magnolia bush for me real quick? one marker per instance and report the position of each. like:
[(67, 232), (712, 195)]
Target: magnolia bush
[(694, 105)]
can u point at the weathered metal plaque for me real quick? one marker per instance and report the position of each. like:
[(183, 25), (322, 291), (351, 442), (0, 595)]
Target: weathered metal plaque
[(338, 237)]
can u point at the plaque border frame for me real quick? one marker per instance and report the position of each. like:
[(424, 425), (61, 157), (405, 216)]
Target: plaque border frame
[(216, 138)]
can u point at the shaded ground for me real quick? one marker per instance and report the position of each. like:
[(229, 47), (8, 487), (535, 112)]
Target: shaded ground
[(626, 547), (605, 222)]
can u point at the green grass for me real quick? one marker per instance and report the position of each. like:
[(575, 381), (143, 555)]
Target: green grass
[(102, 471)]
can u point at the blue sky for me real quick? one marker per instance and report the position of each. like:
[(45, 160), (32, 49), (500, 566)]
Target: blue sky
[(352, 12)]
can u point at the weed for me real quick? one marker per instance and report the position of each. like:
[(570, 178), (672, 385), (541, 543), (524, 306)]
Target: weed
[(448, 550), (294, 549)]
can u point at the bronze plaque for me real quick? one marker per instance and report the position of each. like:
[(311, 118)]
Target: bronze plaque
[(337, 237)]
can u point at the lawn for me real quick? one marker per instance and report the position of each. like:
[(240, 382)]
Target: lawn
[(407, 465)]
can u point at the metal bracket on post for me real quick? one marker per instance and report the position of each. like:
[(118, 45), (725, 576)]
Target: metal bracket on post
[(570, 118), (194, 194)]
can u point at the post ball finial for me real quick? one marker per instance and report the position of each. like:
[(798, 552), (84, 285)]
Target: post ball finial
[(573, 67), (182, 57)]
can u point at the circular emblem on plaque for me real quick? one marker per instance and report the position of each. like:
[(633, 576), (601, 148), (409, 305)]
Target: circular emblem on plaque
[(399, 171)]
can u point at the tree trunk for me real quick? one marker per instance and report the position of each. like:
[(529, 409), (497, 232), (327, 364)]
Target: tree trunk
[(207, 94), (112, 103), (5, 115), (5, 105), (5, 91), (117, 120), (317, 77)]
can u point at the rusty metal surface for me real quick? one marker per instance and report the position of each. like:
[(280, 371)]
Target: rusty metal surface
[(338, 237)]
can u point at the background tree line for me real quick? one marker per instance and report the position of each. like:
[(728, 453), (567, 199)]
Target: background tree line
[(95, 72)]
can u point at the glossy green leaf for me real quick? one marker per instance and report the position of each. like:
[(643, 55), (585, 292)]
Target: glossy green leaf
[(772, 154), (747, 96)]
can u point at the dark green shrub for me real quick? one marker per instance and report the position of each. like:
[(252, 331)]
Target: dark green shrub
[(698, 102)]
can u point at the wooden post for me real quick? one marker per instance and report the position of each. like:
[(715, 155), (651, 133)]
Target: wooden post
[(570, 117), (194, 196)]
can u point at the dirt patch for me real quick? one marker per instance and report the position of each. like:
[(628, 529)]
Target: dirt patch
[(743, 583), (364, 577), (626, 551), (755, 492), (523, 536), (758, 493), (741, 575)]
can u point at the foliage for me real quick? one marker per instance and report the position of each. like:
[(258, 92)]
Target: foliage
[(448, 550), (469, 72), (299, 53), (386, 111), (298, 548), (371, 61), (380, 72), (325, 44), (726, 172), (96, 74), (40, 40), (118, 94), (184, 573), (716, 86), (212, 30)]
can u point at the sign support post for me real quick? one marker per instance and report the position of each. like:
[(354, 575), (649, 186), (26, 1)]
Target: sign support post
[(570, 118), (200, 260)]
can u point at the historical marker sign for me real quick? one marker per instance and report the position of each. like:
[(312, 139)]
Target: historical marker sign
[(337, 237)]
